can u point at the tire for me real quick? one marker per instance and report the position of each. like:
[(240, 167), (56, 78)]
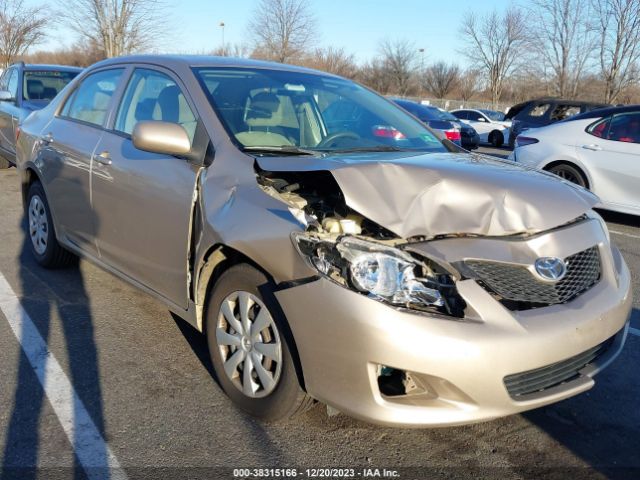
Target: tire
[(570, 173), (4, 163), (41, 234), (278, 398), (496, 138)]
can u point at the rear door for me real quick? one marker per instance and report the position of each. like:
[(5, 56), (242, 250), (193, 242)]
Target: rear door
[(143, 200), (69, 143), (613, 154)]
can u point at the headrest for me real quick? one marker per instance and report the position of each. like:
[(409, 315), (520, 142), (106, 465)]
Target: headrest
[(35, 88), (263, 110)]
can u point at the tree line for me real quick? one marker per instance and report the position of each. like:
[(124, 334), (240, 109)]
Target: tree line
[(570, 48)]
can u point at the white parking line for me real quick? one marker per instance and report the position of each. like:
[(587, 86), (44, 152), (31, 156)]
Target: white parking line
[(92, 451), (634, 331), (624, 234)]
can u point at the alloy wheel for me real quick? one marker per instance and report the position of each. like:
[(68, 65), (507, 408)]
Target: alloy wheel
[(249, 344), (38, 225), (569, 174)]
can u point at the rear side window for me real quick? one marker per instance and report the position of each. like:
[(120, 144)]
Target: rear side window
[(539, 110), (600, 129), (564, 111), (90, 101), (625, 127), (462, 115), (154, 96)]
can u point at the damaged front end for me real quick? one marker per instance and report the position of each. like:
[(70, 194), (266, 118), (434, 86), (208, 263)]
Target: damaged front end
[(355, 252)]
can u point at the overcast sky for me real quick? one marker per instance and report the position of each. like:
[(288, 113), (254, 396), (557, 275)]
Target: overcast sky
[(356, 25)]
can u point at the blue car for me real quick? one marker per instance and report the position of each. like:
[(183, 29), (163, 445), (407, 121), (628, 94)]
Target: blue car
[(23, 89)]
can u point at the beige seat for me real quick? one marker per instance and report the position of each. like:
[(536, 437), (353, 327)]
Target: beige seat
[(266, 115)]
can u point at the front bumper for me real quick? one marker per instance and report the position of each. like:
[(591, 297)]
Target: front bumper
[(343, 337)]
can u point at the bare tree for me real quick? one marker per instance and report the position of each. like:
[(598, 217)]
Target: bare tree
[(494, 44), (118, 27), (332, 60), (283, 29), (468, 84), (78, 55), (566, 41), (398, 60), (20, 28), (237, 50), (618, 32), (441, 78), (374, 74)]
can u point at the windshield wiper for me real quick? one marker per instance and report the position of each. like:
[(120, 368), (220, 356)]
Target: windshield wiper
[(279, 150)]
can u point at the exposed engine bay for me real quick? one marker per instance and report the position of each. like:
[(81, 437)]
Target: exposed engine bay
[(353, 251)]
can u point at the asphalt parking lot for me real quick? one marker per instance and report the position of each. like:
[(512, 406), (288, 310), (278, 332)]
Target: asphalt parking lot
[(142, 384)]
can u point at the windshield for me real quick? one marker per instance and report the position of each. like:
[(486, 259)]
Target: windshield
[(291, 110), (493, 115), (45, 85)]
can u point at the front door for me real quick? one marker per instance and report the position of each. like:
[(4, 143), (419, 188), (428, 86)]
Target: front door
[(9, 112), (144, 200)]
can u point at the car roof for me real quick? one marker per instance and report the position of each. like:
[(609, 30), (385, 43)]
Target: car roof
[(190, 61), (49, 67), (559, 100)]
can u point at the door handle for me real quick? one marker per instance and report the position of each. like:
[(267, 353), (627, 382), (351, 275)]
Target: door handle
[(104, 158), (592, 146)]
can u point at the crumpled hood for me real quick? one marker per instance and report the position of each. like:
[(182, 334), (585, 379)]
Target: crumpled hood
[(444, 193)]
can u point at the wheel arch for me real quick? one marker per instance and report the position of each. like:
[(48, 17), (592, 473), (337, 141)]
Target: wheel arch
[(218, 259), (573, 163)]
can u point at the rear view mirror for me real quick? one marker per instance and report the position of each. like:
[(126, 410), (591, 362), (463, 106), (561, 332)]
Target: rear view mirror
[(161, 137), (5, 96)]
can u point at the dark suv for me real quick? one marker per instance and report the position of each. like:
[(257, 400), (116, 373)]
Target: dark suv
[(23, 89), (544, 111)]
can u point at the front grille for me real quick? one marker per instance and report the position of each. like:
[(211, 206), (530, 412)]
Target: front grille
[(515, 283), (540, 379)]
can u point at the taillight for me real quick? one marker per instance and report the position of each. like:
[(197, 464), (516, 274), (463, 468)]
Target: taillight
[(453, 135), (387, 132), (522, 141)]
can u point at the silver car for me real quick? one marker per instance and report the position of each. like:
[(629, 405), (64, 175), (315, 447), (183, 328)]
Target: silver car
[(326, 243)]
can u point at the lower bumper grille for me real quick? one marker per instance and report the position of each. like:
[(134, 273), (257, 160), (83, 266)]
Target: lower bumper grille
[(540, 379)]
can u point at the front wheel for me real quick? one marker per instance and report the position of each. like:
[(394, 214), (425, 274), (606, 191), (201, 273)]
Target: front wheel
[(250, 349), (496, 138), (42, 236)]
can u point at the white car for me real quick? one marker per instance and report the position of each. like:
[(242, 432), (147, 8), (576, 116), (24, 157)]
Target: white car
[(598, 150), (489, 124)]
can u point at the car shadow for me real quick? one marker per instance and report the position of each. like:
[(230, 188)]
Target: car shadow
[(620, 218), (53, 298)]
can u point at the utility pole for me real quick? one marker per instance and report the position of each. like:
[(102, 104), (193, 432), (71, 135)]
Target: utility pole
[(224, 53), (421, 50)]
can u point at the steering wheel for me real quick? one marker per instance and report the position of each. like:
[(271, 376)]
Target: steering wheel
[(329, 140)]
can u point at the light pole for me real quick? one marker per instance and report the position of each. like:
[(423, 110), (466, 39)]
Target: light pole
[(421, 50), (223, 50)]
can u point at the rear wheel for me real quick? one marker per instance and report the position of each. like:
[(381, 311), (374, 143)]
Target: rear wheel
[(43, 242), (249, 347), (496, 138), (569, 173)]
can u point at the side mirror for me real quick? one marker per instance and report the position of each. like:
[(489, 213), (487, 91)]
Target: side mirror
[(5, 96), (481, 119), (161, 137)]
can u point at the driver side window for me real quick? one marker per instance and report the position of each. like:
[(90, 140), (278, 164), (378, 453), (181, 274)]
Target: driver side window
[(154, 96)]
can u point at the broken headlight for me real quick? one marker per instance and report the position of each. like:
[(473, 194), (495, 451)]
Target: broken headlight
[(382, 272)]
